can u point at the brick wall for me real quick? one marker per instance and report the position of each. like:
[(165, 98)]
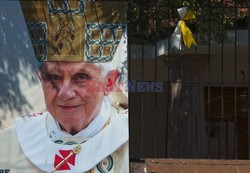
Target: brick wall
[(197, 166), (191, 166)]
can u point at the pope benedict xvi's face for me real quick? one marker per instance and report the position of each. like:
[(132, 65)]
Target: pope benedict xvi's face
[(66, 95)]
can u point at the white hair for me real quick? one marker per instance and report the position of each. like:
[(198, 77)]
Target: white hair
[(105, 67)]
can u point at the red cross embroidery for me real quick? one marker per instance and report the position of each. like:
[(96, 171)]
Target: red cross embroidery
[(68, 157), (62, 163)]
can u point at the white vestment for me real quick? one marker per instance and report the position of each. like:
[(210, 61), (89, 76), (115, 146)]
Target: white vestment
[(27, 147)]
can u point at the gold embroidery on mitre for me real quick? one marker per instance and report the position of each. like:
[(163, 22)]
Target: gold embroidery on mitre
[(66, 39), (75, 30)]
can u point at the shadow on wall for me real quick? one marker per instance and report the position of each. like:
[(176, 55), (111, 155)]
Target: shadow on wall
[(16, 58)]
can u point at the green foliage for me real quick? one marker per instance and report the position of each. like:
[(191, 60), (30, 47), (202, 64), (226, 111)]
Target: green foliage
[(153, 20)]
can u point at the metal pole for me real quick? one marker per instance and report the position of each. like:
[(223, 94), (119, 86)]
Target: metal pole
[(248, 83)]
